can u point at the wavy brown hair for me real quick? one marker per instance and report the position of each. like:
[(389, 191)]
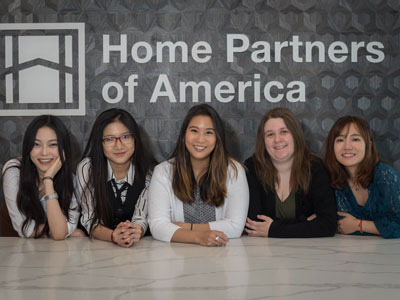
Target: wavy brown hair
[(301, 169), (212, 183), (365, 170)]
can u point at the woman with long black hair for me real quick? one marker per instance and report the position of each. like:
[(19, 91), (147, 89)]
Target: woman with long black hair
[(38, 187), (113, 179), (200, 195)]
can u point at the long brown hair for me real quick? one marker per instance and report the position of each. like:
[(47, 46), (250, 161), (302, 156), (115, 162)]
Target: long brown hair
[(365, 170), (301, 170), (212, 183)]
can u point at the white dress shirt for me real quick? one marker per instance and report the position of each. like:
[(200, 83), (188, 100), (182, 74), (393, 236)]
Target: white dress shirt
[(11, 187), (83, 190), (165, 208)]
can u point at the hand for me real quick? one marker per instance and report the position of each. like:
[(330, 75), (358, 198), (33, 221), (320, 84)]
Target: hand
[(255, 228), (348, 224), (212, 238), (78, 233), (54, 168), (312, 217), (123, 234)]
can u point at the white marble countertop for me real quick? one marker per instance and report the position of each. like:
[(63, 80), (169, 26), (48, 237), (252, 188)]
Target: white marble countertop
[(342, 267)]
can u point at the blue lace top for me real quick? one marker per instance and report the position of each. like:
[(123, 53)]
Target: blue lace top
[(383, 203)]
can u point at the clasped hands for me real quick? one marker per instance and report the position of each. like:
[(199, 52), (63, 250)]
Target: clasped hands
[(254, 228), (127, 233)]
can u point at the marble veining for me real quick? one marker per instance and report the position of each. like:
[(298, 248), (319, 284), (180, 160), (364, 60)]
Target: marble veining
[(347, 267)]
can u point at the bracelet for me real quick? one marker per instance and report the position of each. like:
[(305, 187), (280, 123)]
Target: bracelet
[(191, 226), (52, 196), (360, 225), (112, 238), (47, 177)]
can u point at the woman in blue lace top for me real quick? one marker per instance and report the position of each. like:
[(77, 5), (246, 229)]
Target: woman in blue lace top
[(367, 190)]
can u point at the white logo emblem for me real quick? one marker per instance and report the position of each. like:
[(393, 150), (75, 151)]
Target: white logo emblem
[(42, 69)]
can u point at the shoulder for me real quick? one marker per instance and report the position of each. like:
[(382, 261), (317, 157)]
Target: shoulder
[(235, 169), (317, 165), (385, 172), (12, 166), (249, 163), (164, 168), (84, 164)]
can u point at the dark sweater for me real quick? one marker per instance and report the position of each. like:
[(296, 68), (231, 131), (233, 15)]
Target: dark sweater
[(320, 200)]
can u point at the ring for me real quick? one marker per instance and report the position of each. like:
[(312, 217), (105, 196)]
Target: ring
[(217, 238)]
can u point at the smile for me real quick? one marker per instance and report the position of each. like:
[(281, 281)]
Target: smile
[(348, 155), (199, 148), (280, 147)]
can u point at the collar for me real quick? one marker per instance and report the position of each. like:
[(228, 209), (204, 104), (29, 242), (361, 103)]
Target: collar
[(129, 177)]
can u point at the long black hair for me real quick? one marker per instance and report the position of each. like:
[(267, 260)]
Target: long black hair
[(212, 184), (28, 201), (96, 184)]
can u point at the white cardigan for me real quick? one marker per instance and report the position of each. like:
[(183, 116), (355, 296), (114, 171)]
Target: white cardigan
[(165, 207)]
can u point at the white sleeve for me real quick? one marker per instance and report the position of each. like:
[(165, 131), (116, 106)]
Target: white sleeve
[(74, 211), (141, 208), (10, 188), (237, 204), (84, 193), (160, 208)]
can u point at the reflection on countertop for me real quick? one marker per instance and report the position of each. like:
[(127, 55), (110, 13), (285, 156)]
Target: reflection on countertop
[(347, 267)]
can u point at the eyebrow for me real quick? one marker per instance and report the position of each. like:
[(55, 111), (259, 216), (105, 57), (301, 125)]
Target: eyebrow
[(275, 130), (344, 135), (53, 140), (194, 126), (127, 132)]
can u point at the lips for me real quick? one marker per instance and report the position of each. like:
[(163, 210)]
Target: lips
[(280, 147), (348, 155), (45, 161), (199, 148)]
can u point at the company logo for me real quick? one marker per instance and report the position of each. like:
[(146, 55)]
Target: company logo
[(42, 69)]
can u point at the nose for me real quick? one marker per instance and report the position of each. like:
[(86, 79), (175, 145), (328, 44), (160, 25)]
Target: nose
[(45, 150), (277, 137), (118, 142), (200, 138), (347, 144)]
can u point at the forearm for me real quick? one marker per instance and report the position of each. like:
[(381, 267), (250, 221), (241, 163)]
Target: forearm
[(103, 233), (369, 226), (55, 217), (186, 236)]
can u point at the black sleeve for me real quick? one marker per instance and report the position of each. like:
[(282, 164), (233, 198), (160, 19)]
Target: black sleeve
[(257, 193), (321, 199)]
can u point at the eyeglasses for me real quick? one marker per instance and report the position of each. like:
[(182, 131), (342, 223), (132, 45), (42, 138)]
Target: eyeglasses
[(110, 141)]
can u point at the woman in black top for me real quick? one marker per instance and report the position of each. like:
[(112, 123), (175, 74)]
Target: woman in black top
[(290, 195)]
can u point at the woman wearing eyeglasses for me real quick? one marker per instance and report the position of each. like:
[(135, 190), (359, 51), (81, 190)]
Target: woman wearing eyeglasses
[(113, 180)]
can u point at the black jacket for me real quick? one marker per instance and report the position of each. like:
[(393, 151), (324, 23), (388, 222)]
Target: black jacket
[(320, 200)]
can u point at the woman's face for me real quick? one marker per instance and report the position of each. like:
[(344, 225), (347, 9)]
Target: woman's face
[(350, 148), (118, 144), (278, 141), (200, 138), (45, 149)]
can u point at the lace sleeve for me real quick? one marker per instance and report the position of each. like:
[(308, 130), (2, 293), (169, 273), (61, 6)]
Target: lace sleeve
[(387, 218)]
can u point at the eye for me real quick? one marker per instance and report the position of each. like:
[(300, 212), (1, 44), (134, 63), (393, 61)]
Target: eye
[(269, 134), (108, 139), (284, 131), (54, 145), (339, 140), (36, 144), (193, 130), (209, 132), (356, 139), (125, 137)]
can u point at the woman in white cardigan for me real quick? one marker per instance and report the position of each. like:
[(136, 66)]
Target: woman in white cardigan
[(200, 195)]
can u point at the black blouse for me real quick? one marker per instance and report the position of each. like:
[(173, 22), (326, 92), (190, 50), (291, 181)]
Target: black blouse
[(320, 200)]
